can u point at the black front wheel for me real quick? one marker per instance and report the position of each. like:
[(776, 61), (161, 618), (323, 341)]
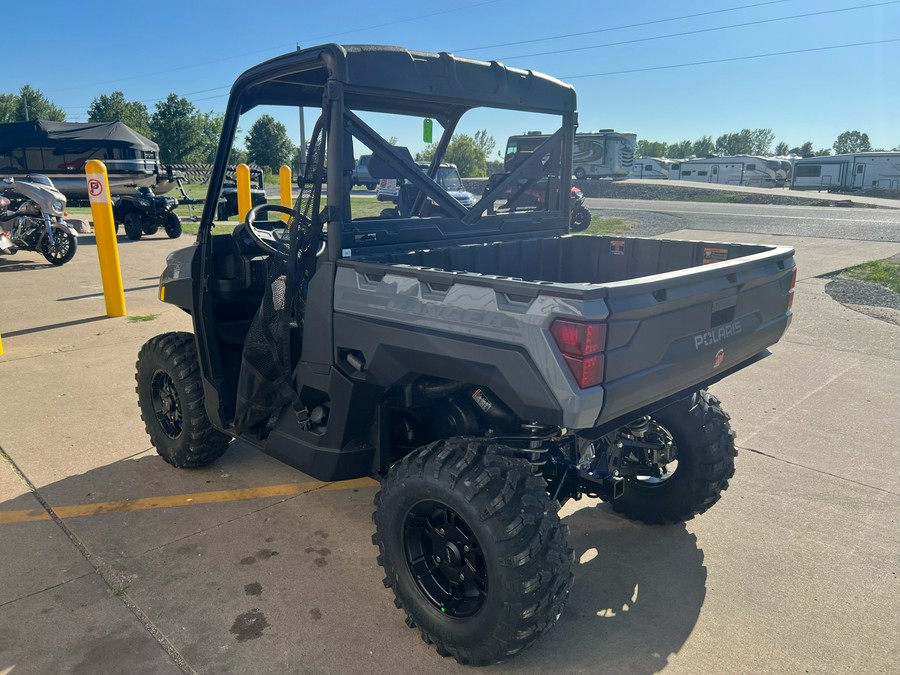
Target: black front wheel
[(173, 225), (134, 228), (683, 455), (63, 248), (473, 549), (170, 396)]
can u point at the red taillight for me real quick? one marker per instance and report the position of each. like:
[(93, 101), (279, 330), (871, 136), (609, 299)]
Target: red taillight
[(582, 345), (791, 292)]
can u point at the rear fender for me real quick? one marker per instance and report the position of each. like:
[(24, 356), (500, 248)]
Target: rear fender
[(176, 283)]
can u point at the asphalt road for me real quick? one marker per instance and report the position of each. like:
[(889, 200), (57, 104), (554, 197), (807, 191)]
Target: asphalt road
[(112, 561), (657, 217)]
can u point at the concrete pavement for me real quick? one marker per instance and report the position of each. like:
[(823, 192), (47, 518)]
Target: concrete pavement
[(113, 562)]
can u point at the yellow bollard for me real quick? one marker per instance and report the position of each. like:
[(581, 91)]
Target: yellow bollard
[(1, 345), (243, 191), (105, 233), (284, 179)]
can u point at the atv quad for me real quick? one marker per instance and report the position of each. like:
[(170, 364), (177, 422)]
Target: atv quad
[(144, 213)]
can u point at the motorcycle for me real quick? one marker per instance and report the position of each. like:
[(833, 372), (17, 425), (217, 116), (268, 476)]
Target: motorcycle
[(579, 216), (33, 220)]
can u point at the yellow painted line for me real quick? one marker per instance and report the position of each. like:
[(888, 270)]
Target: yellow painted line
[(217, 497)]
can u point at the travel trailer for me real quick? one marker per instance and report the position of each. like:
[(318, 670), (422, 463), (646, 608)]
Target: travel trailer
[(60, 150), (599, 154), (747, 170), (650, 167), (848, 172)]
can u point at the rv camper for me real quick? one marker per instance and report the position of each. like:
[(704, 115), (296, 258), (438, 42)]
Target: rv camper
[(747, 170), (600, 154), (650, 167), (60, 150), (848, 172)]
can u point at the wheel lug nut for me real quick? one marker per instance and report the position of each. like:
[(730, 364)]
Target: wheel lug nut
[(466, 548), (462, 577), (437, 558)]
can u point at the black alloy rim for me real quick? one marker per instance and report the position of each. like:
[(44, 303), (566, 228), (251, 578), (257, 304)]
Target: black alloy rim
[(445, 559), (60, 245), (166, 404)]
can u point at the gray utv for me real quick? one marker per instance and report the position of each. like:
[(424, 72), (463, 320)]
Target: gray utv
[(480, 361)]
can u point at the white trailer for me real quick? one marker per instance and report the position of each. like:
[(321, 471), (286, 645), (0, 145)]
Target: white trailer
[(650, 167), (848, 172), (748, 170), (597, 154)]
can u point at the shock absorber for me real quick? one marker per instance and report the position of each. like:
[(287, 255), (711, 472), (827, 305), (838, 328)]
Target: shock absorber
[(639, 427)]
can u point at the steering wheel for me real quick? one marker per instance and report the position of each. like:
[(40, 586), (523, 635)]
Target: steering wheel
[(268, 240)]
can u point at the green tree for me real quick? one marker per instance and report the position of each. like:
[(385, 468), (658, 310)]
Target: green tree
[(29, 104), (237, 156), (467, 152), (852, 141), (652, 148), (782, 149), (762, 141), (114, 108), (703, 146), (174, 126), (803, 150), (823, 152), (209, 127), (484, 142), (681, 150), (469, 158), (183, 133), (8, 107), (268, 143), (738, 143)]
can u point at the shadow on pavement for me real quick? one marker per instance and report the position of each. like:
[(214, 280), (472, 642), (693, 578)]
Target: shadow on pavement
[(63, 324), (637, 595), (24, 263)]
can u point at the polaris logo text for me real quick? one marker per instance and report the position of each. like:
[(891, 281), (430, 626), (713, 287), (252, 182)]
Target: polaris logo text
[(717, 334)]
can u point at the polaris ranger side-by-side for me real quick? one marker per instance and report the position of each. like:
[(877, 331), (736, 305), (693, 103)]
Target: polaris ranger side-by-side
[(482, 362)]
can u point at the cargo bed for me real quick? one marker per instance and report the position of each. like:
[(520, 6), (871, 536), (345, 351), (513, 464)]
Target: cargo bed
[(677, 314)]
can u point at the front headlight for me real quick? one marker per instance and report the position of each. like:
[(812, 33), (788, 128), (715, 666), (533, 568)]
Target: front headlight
[(144, 203), (171, 202), (57, 207)]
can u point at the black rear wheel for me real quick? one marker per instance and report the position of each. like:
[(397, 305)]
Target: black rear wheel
[(473, 549), (696, 442), (581, 219), (170, 396)]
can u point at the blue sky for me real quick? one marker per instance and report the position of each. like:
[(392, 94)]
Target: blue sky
[(74, 52)]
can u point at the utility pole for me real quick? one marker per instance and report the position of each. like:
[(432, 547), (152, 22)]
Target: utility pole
[(302, 137)]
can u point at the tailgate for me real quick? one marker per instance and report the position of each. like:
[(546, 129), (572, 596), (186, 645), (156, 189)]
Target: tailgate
[(671, 332)]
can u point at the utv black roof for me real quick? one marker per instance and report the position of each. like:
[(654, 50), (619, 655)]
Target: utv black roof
[(388, 79)]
